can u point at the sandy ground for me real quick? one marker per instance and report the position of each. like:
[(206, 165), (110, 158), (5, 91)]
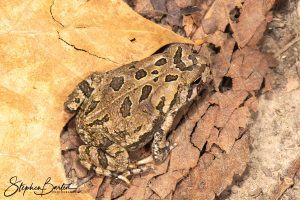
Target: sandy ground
[(275, 133)]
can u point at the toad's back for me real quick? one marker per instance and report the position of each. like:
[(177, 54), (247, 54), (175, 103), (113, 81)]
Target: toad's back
[(131, 102)]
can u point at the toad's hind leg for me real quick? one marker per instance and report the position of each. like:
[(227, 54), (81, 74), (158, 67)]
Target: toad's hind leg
[(82, 91), (113, 162), (91, 158), (119, 164), (134, 169)]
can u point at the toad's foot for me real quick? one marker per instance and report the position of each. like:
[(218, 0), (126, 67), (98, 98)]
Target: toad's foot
[(134, 169), (150, 159)]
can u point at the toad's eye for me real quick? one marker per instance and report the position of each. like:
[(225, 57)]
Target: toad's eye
[(196, 82)]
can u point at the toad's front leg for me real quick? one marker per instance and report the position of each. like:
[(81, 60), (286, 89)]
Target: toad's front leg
[(160, 146)]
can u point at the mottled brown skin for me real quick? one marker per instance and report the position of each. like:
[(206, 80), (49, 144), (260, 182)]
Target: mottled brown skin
[(124, 109)]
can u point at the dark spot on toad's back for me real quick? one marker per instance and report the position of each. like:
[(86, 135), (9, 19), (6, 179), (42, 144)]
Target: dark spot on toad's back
[(100, 122), (170, 78), (121, 135), (154, 72), (77, 100), (142, 141), (174, 100), (91, 107), (182, 67), (178, 55), (131, 67), (160, 62), (126, 107), (116, 83), (157, 123), (161, 104), (105, 143), (145, 92), (140, 74), (189, 68), (86, 89)]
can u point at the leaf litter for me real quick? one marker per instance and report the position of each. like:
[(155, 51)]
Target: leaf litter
[(213, 144), (213, 140)]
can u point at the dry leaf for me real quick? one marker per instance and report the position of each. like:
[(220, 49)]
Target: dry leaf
[(251, 19), (188, 25), (46, 51), (220, 10), (166, 183), (204, 127), (204, 182), (138, 187)]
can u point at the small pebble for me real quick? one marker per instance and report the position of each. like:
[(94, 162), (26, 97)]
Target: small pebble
[(277, 167), (255, 193), (267, 171), (234, 189), (254, 175), (201, 185)]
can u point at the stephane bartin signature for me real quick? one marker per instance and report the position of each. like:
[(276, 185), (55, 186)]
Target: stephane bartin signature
[(17, 185)]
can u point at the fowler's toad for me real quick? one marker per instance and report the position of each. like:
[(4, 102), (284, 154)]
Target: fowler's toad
[(124, 109)]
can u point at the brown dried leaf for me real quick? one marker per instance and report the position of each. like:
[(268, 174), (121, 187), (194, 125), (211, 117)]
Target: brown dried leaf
[(188, 25), (250, 22), (231, 130), (219, 12), (183, 3), (252, 104), (144, 7), (80, 31), (222, 59), (166, 183), (213, 138), (204, 127), (204, 182), (137, 189), (185, 155), (159, 5), (203, 7), (248, 69), (227, 102), (257, 36), (174, 15), (92, 187)]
